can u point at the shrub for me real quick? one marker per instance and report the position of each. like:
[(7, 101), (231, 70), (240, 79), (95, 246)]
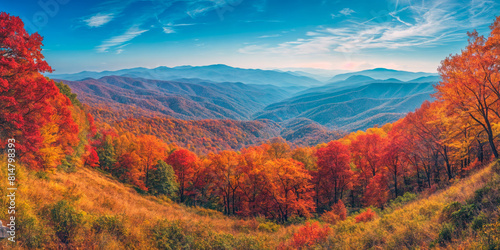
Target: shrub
[(404, 199), (221, 241), (330, 217), (490, 236), (66, 220), (170, 235), (42, 175), (446, 234), (338, 213), (309, 235), (269, 227), (30, 231), (463, 216), (67, 165), (448, 210), (479, 221), (110, 224), (488, 197), (340, 210), (480, 194), (365, 216), (295, 220), (249, 243), (204, 237), (496, 167)]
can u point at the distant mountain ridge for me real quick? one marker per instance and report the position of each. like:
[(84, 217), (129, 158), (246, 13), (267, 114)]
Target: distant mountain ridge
[(215, 73), (382, 74), (184, 100), (350, 105)]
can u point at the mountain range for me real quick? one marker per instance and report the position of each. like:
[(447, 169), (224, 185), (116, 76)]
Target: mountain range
[(382, 74), (301, 105), (214, 73), (369, 103), (189, 99)]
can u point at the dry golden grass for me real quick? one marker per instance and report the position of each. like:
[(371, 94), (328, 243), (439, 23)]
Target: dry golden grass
[(98, 194), (414, 225)]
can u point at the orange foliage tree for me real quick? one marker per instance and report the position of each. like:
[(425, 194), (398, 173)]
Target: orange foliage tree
[(254, 191), (227, 177), (334, 172), (289, 189), (471, 82), (151, 150)]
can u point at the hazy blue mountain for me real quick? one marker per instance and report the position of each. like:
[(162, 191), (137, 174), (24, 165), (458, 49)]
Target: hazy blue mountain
[(352, 108), (435, 79), (196, 99), (358, 102), (351, 82), (381, 73), (215, 73), (313, 76)]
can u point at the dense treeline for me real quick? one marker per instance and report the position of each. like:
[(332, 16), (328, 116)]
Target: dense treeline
[(205, 136)]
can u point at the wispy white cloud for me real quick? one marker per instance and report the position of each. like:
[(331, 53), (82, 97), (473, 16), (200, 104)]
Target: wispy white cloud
[(270, 36), (168, 30), (182, 24), (168, 14), (425, 25), (117, 41), (344, 12), (98, 20)]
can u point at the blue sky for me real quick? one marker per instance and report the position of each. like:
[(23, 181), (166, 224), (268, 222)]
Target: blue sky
[(333, 35)]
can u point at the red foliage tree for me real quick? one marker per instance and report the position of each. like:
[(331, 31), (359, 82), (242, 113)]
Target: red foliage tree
[(393, 157), (92, 159), (376, 193), (25, 94), (184, 163), (128, 170), (367, 156)]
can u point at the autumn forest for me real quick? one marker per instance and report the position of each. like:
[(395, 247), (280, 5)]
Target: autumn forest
[(95, 174)]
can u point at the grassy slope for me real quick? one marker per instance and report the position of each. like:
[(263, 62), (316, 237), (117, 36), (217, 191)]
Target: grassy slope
[(413, 225), (97, 194), (94, 194)]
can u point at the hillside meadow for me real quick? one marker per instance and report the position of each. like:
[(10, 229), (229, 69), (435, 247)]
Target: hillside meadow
[(92, 210)]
